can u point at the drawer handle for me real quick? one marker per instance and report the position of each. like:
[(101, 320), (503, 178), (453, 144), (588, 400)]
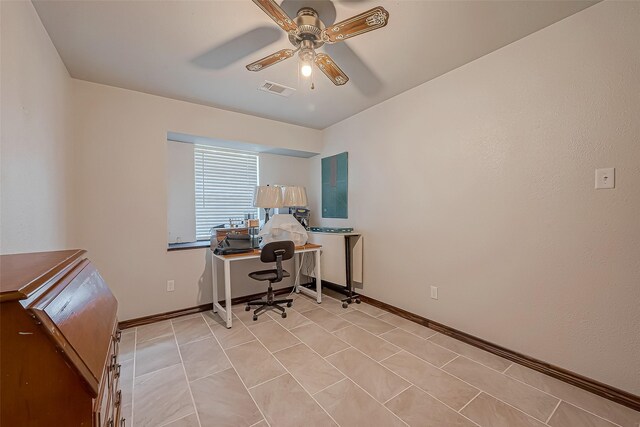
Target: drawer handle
[(110, 422), (117, 374), (123, 422), (114, 362), (118, 335), (118, 398)]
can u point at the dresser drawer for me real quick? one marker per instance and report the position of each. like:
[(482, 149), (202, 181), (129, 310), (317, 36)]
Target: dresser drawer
[(103, 405), (117, 409), (107, 407)]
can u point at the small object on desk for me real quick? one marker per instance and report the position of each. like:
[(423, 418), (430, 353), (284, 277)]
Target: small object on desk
[(221, 233), (253, 224), (236, 222), (302, 215), (332, 229), (213, 229), (232, 244)]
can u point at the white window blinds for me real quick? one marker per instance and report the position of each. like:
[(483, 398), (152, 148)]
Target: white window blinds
[(225, 180)]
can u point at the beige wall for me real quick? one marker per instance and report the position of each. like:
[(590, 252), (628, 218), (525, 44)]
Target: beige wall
[(284, 170), (481, 182), (36, 134), (121, 191)]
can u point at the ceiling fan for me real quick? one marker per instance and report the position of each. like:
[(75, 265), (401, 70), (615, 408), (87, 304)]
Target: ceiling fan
[(307, 33)]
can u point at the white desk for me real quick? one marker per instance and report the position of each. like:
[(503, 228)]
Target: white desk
[(225, 312)]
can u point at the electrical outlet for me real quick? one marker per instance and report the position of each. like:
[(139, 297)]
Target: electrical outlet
[(171, 285), (434, 292), (605, 178)]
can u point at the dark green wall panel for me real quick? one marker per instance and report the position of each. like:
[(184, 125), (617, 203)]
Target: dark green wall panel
[(335, 185)]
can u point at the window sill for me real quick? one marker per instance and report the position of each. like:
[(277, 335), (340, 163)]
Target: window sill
[(200, 244)]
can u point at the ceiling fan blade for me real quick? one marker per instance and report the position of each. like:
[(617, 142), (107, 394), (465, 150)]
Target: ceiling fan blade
[(275, 12), (331, 69), (268, 61), (356, 25)]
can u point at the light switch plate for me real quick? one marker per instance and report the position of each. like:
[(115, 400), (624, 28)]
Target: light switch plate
[(605, 178)]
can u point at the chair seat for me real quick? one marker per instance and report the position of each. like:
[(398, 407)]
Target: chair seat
[(267, 274)]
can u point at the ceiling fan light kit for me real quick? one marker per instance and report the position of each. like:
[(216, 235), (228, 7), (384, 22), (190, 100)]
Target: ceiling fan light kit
[(308, 33)]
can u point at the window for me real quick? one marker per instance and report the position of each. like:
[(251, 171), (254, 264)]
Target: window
[(225, 180)]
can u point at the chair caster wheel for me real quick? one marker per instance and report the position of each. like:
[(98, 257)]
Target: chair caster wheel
[(358, 301), (255, 317), (289, 304), (345, 305), (247, 308), (284, 315)]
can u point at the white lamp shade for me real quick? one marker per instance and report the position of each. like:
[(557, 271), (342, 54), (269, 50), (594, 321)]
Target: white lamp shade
[(295, 196), (267, 197)]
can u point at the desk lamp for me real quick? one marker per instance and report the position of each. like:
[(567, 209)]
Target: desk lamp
[(267, 197), (295, 197)]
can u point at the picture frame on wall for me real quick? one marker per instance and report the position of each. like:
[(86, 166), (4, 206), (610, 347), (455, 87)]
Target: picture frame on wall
[(335, 186)]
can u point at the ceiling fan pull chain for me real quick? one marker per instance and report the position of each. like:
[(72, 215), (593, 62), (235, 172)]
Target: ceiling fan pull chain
[(313, 86), (313, 74)]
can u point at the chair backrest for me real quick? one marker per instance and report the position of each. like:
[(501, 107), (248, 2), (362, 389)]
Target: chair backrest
[(270, 251)]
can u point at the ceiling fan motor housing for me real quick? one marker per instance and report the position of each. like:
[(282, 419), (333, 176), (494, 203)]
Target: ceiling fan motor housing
[(309, 28), (307, 33)]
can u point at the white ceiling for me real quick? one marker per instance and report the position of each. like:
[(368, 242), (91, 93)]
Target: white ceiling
[(197, 50)]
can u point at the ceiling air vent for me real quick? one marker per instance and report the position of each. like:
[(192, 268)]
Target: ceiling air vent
[(276, 89)]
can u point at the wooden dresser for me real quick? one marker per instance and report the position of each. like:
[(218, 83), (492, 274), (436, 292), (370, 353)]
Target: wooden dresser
[(58, 342)]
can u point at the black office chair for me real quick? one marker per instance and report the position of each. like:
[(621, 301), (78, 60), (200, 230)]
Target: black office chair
[(278, 252)]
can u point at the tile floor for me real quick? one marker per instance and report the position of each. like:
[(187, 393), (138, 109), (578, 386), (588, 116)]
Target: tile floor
[(325, 365)]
